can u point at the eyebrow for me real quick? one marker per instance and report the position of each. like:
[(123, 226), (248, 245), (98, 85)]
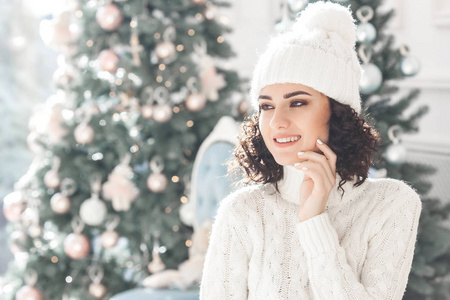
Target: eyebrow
[(288, 95)]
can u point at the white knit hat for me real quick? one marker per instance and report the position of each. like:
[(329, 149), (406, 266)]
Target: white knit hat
[(318, 52)]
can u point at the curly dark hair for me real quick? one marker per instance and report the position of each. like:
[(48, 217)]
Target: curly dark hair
[(353, 140)]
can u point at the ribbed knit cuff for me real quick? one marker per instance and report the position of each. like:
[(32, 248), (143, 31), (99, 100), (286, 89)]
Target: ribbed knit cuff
[(317, 235)]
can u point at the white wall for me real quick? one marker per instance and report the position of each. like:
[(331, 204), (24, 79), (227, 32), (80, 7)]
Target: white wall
[(424, 26)]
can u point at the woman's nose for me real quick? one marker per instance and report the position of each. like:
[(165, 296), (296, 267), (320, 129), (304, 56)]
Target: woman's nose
[(279, 119)]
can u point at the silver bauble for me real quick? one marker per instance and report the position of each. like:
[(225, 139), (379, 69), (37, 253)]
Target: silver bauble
[(395, 153), (371, 78), (366, 33), (410, 65)]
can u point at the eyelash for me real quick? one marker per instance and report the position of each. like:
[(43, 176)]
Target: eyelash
[(294, 103)]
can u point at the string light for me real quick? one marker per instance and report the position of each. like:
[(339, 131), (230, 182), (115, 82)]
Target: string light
[(176, 109), (78, 13), (184, 199), (188, 243), (54, 259), (69, 279), (162, 67), (157, 35), (90, 43), (220, 39), (190, 123), (159, 79), (118, 81), (180, 48), (175, 228), (167, 84), (134, 149), (133, 24), (168, 210), (183, 69), (191, 32), (112, 94), (175, 179), (199, 16)]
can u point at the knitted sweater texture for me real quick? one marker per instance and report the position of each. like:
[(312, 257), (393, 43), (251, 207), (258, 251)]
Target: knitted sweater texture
[(361, 247)]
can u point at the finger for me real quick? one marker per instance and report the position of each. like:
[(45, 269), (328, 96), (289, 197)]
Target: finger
[(321, 183), (329, 154), (320, 159), (317, 170)]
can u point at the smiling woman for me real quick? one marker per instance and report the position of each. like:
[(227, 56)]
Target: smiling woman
[(312, 225)]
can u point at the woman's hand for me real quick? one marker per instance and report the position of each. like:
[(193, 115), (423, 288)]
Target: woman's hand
[(320, 177)]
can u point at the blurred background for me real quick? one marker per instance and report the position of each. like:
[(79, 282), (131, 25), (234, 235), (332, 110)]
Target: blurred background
[(54, 79)]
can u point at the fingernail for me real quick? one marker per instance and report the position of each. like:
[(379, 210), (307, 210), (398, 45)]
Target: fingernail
[(304, 168), (319, 141), (297, 164), (300, 153)]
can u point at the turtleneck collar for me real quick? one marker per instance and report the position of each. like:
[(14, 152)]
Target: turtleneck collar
[(289, 187)]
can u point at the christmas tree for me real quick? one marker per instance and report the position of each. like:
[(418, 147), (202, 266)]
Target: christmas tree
[(384, 64), (138, 88)]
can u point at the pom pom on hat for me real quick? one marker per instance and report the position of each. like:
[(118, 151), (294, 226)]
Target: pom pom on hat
[(318, 52), (329, 18)]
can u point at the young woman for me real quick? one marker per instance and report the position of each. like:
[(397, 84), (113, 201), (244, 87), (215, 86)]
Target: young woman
[(313, 225)]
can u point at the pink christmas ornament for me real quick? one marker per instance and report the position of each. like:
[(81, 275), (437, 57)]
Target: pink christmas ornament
[(60, 203), (108, 60), (157, 182), (84, 134), (76, 246), (147, 111), (51, 179), (162, 113), (165, 50), (109, 17), (97, 290), (109, 238), (13, 206), (119, 188), (28, 293), (195, 102)]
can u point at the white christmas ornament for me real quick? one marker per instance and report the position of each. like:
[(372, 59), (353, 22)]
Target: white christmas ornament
[(119, 188), (93, 211)]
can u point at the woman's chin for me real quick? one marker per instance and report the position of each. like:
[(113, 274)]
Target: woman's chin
[(285, 161)]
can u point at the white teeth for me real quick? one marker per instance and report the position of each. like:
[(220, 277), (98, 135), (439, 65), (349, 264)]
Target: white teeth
[(287, 140)]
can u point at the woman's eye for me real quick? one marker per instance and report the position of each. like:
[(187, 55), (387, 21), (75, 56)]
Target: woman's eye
[(295, 103), (265, 106)]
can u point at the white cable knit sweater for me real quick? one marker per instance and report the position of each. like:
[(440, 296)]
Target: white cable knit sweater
[(361, 247)]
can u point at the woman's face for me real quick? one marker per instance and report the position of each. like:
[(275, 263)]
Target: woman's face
[(292, 118)]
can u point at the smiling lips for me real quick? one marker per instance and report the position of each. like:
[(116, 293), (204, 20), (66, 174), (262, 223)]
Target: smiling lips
[(286, 140)]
